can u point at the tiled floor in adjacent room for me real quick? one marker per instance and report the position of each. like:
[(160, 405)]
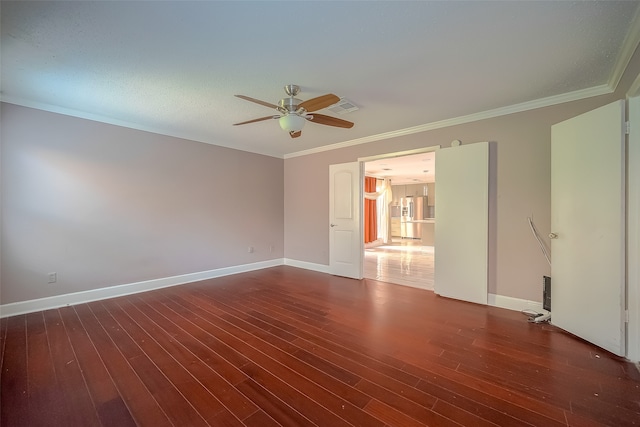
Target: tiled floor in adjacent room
[(403, 261)]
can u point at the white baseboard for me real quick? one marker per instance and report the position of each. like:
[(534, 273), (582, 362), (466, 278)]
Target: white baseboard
[(517, 304), (57, 301), (307, 265), (510, 303)]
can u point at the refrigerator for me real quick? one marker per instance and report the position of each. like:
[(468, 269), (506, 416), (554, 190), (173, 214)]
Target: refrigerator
[(412, 209)]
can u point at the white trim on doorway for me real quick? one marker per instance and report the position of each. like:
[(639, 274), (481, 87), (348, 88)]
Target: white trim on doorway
[(396, 154), (633, 226), (399, 154)]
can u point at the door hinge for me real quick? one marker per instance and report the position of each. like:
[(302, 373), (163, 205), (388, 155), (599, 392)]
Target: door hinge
[(626, 316), (627, 127)]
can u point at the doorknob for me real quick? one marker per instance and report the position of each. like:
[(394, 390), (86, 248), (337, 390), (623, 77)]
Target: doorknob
[(553, 235), (334, 225)]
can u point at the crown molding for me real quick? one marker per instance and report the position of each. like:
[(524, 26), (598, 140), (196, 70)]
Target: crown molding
[(634, 90), (516, 108), (489, 114), (122, 123), (629, 46)]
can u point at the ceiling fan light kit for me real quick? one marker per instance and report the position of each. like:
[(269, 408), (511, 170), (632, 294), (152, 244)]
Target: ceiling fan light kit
[(293, 111), (292, 122)]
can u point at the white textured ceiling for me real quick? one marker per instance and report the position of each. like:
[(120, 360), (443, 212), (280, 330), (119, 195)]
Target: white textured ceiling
[(174, 67)]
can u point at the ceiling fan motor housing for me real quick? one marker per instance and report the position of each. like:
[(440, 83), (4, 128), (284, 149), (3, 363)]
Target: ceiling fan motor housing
[(292, 90), (290, 104)]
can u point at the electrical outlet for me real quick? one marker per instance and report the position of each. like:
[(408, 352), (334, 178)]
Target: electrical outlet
[(52, 277), (250, 250), (271, 249)]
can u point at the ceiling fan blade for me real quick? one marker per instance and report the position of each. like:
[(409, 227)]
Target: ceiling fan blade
[(257, 101), (257, 120), (330, 121), (295, 134), (315, 104)]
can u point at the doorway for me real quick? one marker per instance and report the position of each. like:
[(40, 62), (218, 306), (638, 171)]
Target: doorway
[(403, 250)]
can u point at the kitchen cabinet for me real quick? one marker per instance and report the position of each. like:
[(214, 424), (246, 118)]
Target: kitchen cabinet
[(431, 190), (395, 227), (415, 190), (428, 234), (409, 190), (398, 192)]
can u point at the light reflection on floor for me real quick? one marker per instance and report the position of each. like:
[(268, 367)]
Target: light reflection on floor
[(405, 262)]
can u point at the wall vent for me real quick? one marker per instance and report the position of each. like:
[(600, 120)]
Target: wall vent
[(343, 106), (546, 293)]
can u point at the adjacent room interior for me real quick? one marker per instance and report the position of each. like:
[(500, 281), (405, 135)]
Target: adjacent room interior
[(399, 244)]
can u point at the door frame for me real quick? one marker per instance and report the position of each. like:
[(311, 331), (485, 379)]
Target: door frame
[(363, 160), (633, 228)]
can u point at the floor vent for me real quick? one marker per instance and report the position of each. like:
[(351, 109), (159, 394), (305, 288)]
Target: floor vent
[(546, 293)]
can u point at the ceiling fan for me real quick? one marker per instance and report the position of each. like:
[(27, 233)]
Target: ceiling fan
[(294, 112)]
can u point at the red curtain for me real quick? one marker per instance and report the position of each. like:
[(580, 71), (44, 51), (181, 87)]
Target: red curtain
[(370, 212)]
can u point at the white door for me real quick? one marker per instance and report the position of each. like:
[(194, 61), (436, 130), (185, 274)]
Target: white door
[(633, 232), (587, 215), (346, 245), (462, 222)]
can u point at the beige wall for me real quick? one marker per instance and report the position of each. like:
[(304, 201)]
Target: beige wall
[(521, 188), (104, 205), (522, 159)]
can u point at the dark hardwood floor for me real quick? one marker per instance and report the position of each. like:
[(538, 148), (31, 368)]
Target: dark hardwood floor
[(285, 346)]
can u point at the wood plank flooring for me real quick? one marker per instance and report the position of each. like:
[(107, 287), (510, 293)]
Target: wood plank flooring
[(291, 347)]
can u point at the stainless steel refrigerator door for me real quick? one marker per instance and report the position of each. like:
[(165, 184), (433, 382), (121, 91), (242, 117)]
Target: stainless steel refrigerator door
[(411, 230), (420, 208), (407, 207)]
